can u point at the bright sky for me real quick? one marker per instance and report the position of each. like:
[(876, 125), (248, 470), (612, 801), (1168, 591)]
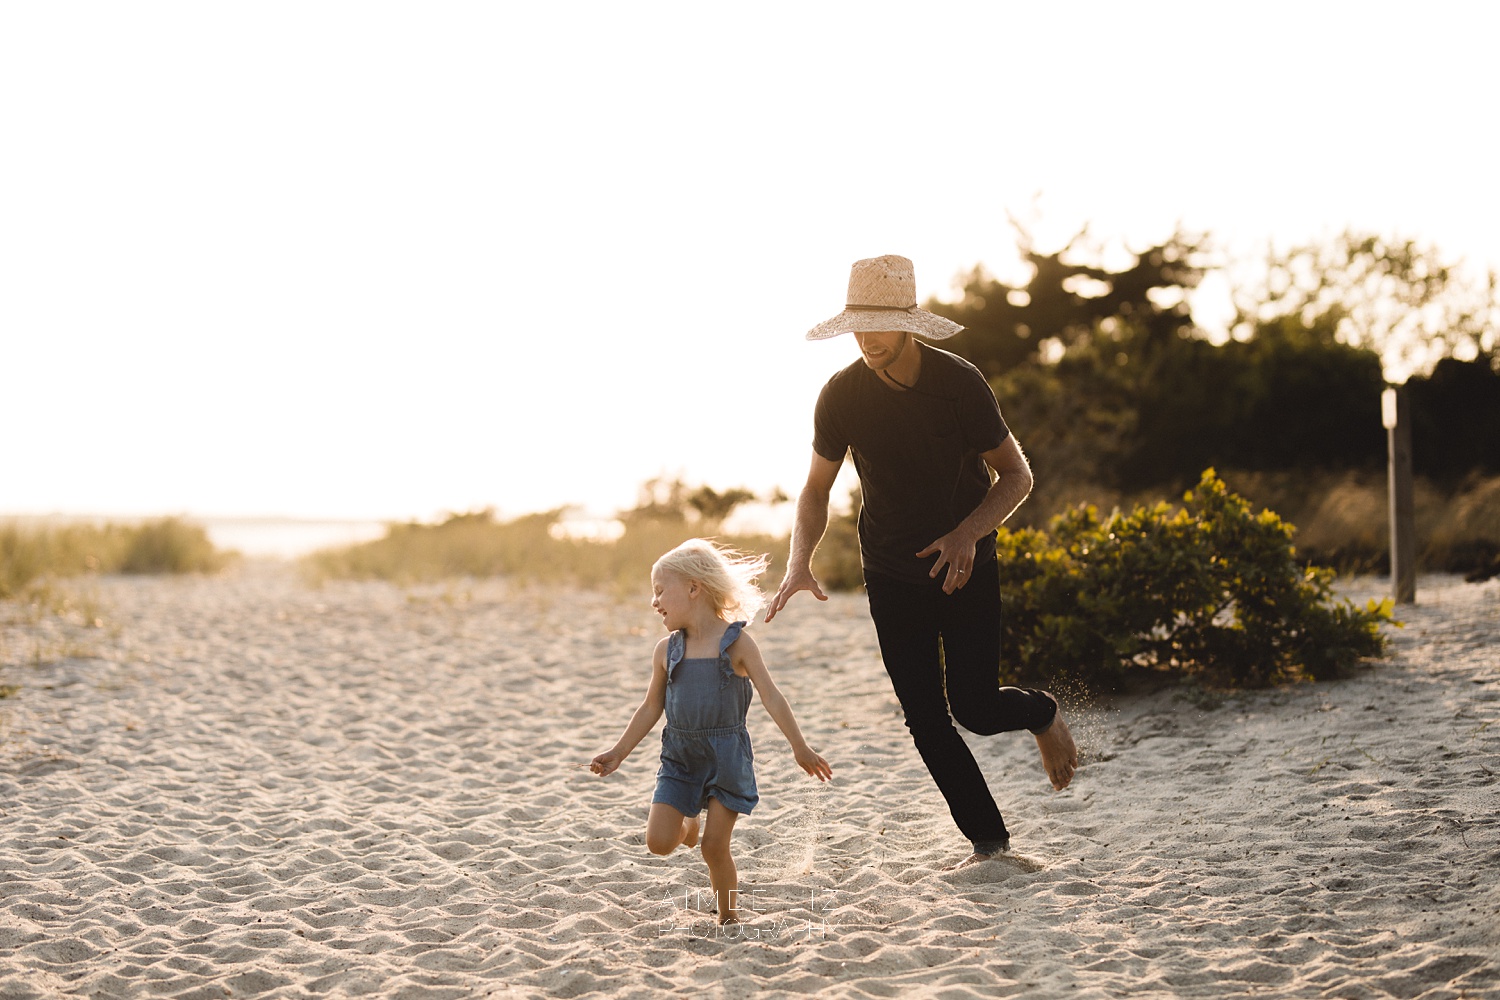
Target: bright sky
[(388, 260)]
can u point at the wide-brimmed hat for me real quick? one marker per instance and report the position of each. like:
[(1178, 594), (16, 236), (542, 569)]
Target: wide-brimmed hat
[(883, 296)]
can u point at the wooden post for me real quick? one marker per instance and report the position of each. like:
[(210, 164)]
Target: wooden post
[(1396, 415)]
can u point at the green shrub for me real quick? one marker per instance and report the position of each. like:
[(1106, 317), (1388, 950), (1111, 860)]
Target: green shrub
[(1209, 589)]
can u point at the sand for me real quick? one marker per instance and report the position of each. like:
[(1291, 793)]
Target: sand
[(246, 787)]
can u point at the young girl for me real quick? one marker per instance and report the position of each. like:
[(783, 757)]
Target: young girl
[(701, 674)]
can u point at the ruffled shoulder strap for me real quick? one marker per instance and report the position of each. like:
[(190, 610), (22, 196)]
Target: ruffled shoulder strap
[(676, 647), (726, 669), (730, 635)]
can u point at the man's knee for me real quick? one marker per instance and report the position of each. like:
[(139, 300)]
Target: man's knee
[(1003, 710), (928, 724), (976, 720)]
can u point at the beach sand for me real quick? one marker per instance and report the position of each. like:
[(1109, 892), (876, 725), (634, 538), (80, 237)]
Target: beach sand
[(247, 787)]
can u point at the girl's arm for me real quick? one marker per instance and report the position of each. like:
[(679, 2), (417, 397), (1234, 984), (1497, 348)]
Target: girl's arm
[(642, 721), (746, 653)]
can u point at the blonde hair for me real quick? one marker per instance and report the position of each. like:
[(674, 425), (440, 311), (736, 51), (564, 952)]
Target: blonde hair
[(727, 576)]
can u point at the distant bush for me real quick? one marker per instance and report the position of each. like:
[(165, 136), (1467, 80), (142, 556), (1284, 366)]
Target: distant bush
[(472, 544), (528, 548), (1341, 516), (1209, 589), (1343, 519), (1279, 401), (167, 545), (836, 563), (1456, 419)]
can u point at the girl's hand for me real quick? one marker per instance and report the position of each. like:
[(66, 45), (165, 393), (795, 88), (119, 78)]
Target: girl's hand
[(809, 761), (606, 762)]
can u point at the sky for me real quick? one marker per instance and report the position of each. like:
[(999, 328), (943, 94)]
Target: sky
[(380, 260)]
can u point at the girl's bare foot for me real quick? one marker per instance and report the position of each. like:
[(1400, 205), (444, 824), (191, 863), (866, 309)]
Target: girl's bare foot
[(1059, 753), (690, 831)]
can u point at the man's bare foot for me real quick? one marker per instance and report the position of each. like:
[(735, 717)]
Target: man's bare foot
[(1059, 753), (732, 918), (690, 831), (973, 859)]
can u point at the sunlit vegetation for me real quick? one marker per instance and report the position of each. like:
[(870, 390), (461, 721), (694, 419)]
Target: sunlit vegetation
[(48, 622), (31, 553), (1342, 522), (1119, 398), (1128, 560), (531, 548), (1121, 401), (1208, 588)]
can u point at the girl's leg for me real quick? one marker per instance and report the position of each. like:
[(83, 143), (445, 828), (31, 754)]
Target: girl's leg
[(722, 875), (668, 829)]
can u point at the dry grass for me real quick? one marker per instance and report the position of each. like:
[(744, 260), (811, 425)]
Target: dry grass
[(1340, 520), (526, 549), (1341, 517), (1343, 520), (51, 552), (43, 621), (49, 623)]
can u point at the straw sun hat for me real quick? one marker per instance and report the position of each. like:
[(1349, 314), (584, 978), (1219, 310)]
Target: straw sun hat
[(883, 296)]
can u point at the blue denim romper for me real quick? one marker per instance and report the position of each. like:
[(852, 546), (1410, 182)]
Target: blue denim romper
[(705, 748)]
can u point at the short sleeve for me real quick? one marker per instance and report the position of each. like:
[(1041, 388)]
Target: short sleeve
[(984, 427), (829, 438)]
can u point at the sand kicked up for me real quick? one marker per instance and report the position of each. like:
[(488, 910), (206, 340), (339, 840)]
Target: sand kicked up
[(243, 787)]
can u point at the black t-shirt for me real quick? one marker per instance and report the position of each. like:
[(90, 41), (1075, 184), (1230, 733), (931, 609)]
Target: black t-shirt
[(917, 453)]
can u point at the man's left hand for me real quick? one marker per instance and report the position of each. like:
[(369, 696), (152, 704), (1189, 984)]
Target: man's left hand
[(955, 550)]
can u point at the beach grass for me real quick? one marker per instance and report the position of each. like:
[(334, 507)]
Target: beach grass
[(1342, 519), (1339, 519), (528, 549), (1340, 516), (31, 553)]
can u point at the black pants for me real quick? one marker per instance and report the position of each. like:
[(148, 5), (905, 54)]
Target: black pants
[(928, 638)]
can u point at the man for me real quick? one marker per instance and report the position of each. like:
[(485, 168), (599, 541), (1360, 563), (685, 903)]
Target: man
[(925, 432)]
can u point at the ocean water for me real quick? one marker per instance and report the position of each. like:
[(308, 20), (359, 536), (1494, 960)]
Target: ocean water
[(286, 538)]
